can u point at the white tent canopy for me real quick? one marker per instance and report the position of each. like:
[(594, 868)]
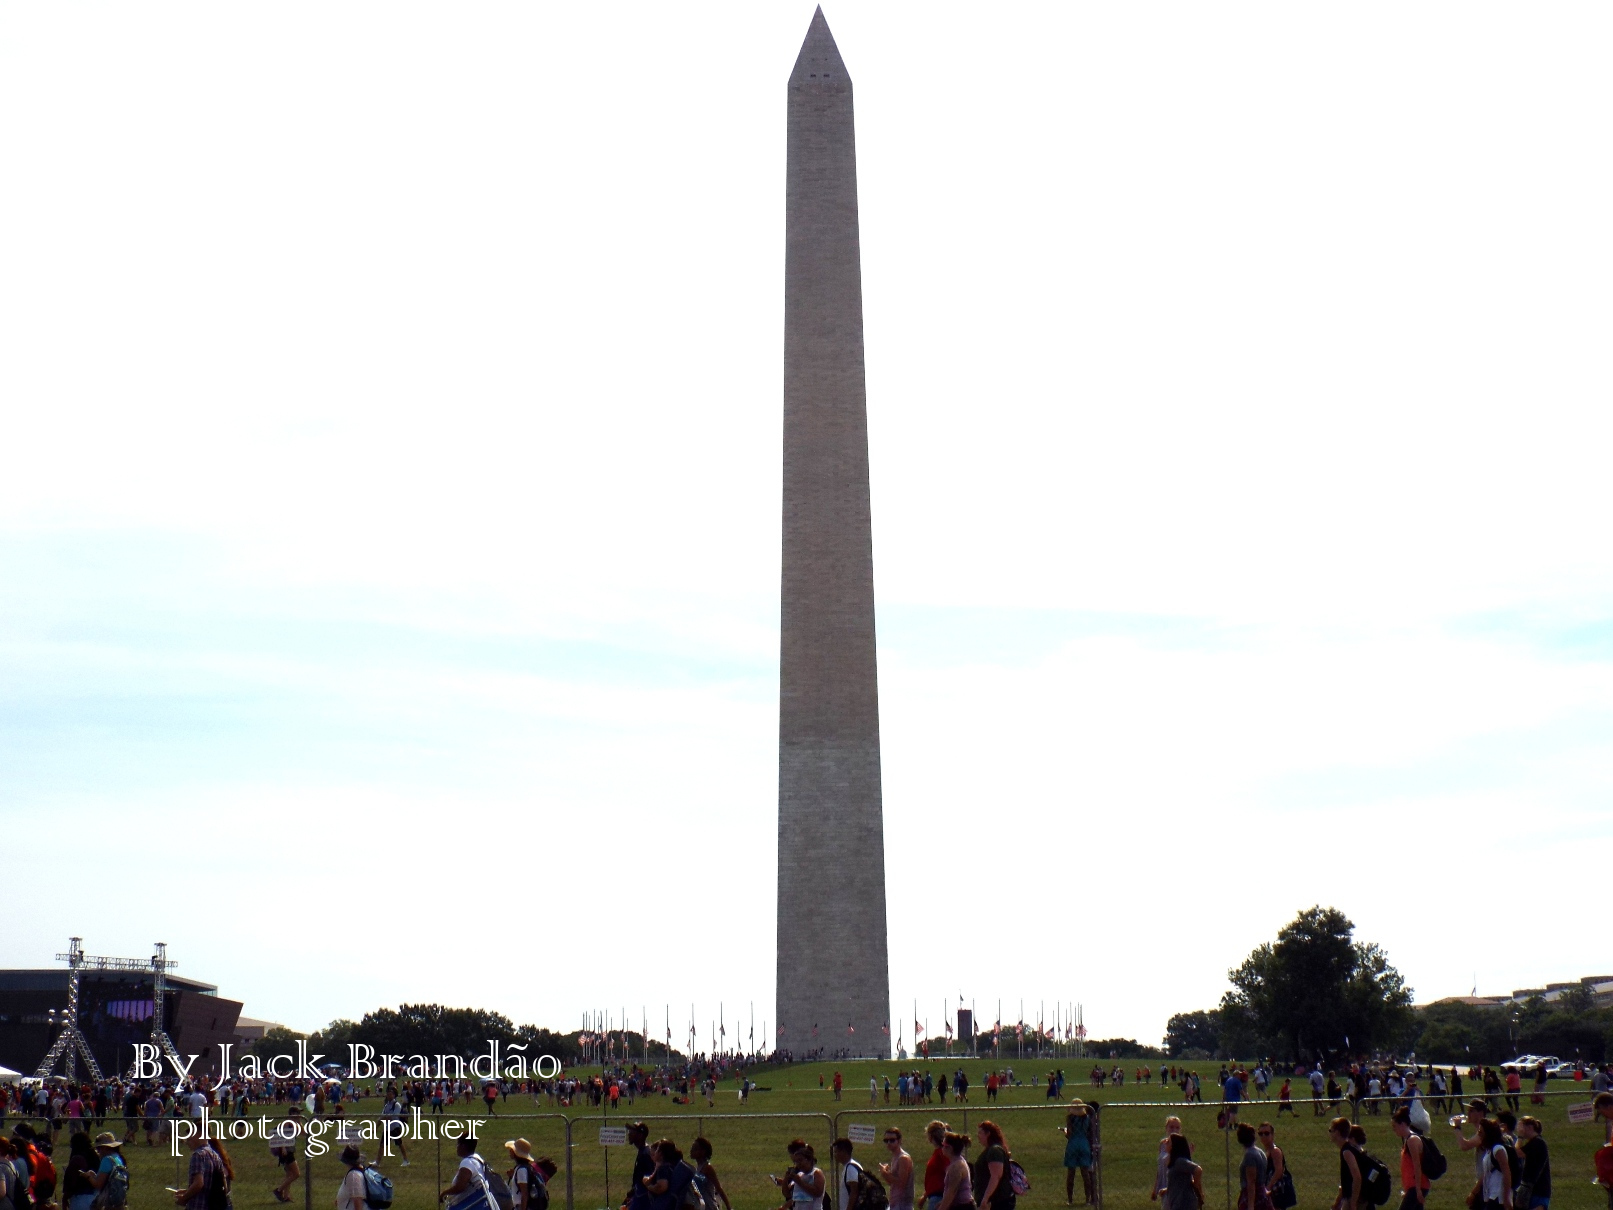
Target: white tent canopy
[(7, 1076)]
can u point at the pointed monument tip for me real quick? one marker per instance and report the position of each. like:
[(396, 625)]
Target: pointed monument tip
[(819, 59)]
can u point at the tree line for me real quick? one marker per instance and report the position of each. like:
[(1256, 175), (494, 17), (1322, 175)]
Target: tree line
[(1316, 994), (424, 1029)]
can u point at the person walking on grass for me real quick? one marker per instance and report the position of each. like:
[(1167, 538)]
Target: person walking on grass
[(470, 1178), (1494, 1188), (1534, 1186), (350, 1193), (804, 1183), (1173, 1127), (1414, 1181), (1078, 1151), (523, 1179), (1351, 1169), (897, 1171), (206, 1170), (935, 1168), (1278, 1189), (669, 1183), (284, 1150), (989, 1173), (1252, 1172), (1184, 1180), (712, 1194), (957, 1190)]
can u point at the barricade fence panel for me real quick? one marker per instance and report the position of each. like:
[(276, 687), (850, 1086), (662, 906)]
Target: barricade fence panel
[(749, 1146)]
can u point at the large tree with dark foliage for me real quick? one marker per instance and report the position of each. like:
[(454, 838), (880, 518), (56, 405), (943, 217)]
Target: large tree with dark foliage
[(1315, 992), (1120, 1048), (431, 1029), (1194, 1035)]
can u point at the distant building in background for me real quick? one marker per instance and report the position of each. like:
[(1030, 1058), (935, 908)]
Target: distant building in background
[(1600, 987), (249, 1030), (114, 1011)]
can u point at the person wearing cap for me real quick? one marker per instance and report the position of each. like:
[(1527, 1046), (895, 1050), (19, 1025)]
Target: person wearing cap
[(108, 1169), (1476, 1109)]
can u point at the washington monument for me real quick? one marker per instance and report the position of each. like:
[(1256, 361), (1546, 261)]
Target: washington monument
[(833, 977)]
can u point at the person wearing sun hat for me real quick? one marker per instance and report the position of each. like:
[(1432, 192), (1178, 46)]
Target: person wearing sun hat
[(521, 1176), (1077, 1150), (111, 1168), (529, 1179)]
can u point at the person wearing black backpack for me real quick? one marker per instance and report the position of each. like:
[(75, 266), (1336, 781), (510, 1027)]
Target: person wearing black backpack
[(1363, 1181), (1414, 1180)]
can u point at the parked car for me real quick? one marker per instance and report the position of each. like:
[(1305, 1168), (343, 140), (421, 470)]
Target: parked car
[(1526, 1064), (1565, 1071)]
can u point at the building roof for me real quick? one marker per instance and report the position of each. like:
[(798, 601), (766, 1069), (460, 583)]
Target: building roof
[(55, 979)]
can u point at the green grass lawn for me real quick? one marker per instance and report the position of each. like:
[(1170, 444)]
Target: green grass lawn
[(749, 1143)]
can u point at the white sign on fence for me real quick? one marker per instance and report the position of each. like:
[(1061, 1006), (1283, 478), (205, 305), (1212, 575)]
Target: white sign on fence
[(1582, 1113), (613, 1136), (860, 1132)]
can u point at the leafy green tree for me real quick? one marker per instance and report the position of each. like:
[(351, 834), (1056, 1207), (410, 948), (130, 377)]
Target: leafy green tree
[(1197, 1032), (540, 1042), (1315, 992), (276, 1041), (431, 1029), (1121, 1048)]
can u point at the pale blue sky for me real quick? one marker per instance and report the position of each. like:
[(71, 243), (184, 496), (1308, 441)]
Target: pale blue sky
[(389, 493)]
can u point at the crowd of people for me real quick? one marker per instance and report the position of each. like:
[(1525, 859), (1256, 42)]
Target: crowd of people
[(950, 1181), (1512, 1165)]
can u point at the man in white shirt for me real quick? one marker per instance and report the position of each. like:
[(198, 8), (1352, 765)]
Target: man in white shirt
[(850, 1170)]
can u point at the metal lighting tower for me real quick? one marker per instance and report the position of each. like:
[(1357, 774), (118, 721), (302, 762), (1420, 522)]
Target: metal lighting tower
[(70, 1041), (160, 964)]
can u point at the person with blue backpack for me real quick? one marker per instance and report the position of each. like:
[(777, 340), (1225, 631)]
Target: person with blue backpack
[(111, 1176)]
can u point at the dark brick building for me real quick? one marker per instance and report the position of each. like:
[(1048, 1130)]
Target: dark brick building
[(114, 1011)]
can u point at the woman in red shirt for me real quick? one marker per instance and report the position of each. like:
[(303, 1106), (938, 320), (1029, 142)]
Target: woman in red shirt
[(935, 1171)]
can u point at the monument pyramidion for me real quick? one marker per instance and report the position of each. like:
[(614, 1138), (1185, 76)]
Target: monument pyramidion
[(833, 974)]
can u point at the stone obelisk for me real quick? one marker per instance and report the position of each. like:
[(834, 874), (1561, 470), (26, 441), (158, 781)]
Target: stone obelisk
[(833, 978)]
